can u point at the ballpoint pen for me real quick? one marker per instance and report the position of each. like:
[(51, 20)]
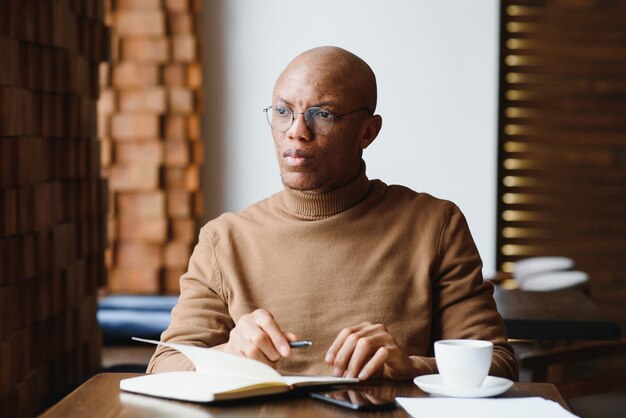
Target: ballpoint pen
[(299, 344)]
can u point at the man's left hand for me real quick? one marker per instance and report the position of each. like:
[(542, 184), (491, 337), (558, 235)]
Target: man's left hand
[(368, 349)]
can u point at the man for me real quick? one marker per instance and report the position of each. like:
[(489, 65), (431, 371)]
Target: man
[(371, 274)]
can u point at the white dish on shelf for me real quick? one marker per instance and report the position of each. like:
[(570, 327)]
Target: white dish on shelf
[(554, 280), (492, 386)]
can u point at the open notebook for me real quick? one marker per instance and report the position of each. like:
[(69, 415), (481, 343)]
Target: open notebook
[(219, 376)]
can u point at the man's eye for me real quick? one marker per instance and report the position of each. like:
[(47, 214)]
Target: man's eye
[(281, 111), (322, 114)]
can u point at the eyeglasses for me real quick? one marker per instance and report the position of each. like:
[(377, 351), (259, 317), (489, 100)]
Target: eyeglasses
[(318, 119)]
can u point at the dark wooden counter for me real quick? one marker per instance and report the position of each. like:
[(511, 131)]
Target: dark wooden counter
[(101, 397)]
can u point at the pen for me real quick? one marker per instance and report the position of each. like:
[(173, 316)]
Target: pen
[(299, 344)]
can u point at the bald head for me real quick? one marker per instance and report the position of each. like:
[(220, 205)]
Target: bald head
[(335, 68), (343, 86)]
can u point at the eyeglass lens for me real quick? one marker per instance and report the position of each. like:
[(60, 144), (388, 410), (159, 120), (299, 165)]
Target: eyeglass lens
[(318, 120)]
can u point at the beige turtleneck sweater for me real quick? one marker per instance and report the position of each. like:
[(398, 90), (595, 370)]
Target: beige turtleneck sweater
[(323, 262)]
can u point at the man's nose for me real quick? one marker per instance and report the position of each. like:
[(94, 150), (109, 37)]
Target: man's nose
[(299, 130)]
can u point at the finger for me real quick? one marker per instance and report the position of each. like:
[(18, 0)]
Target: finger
[(267, 323), (374, 364), (365, 348), (291, 336), (336, 345), (249, 332), (263, 342), (342, 359), (339, 341), (251, 351)]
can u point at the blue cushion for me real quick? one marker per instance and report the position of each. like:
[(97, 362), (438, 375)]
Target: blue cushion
[(124, 316), (121, 324)]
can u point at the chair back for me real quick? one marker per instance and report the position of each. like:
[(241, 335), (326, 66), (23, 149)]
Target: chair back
[(580, 369)]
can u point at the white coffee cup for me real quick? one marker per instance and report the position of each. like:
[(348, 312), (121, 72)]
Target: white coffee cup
[(463, 363)]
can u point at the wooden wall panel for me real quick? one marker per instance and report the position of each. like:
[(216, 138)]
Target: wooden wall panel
[(52, 209), (151, 150), (562, 173)]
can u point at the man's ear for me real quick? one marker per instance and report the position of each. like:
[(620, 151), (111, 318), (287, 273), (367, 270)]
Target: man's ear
[(370, 131)]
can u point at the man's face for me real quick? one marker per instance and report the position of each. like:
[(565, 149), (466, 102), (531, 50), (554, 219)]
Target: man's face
[(310, 161)]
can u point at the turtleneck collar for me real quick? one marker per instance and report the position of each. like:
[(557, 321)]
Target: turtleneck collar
[(313, 206)]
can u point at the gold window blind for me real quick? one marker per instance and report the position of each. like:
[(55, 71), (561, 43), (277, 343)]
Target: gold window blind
[(562, 139)]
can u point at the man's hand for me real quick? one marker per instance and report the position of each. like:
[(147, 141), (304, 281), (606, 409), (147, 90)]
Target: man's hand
[(368, 349), (258, 336)]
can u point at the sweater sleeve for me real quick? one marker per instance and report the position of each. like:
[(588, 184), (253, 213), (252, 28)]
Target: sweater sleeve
[(463, 304), (201, 316)]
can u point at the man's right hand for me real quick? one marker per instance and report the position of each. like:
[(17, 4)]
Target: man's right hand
[(257, 336)]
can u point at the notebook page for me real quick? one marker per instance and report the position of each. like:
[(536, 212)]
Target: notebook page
[(483, 408), (217, 363)]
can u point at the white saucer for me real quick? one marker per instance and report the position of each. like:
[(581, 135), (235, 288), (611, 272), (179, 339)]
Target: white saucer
[(492, 386)]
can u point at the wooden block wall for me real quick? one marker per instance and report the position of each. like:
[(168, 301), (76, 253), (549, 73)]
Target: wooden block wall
[(52, 200), (562, 157), (151, 149)]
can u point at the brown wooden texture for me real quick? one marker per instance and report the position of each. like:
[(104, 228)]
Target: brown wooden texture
[(148, 114), (562, 138), (101, 396), (52, 205)]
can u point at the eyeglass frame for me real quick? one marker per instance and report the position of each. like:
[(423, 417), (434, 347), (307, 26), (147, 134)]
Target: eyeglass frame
[(293, 117)]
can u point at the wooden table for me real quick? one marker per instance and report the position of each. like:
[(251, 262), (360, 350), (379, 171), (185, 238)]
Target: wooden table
[(557, 315), (101, 397)]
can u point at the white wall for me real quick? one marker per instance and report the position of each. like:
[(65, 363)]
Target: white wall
[(436, 65)]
